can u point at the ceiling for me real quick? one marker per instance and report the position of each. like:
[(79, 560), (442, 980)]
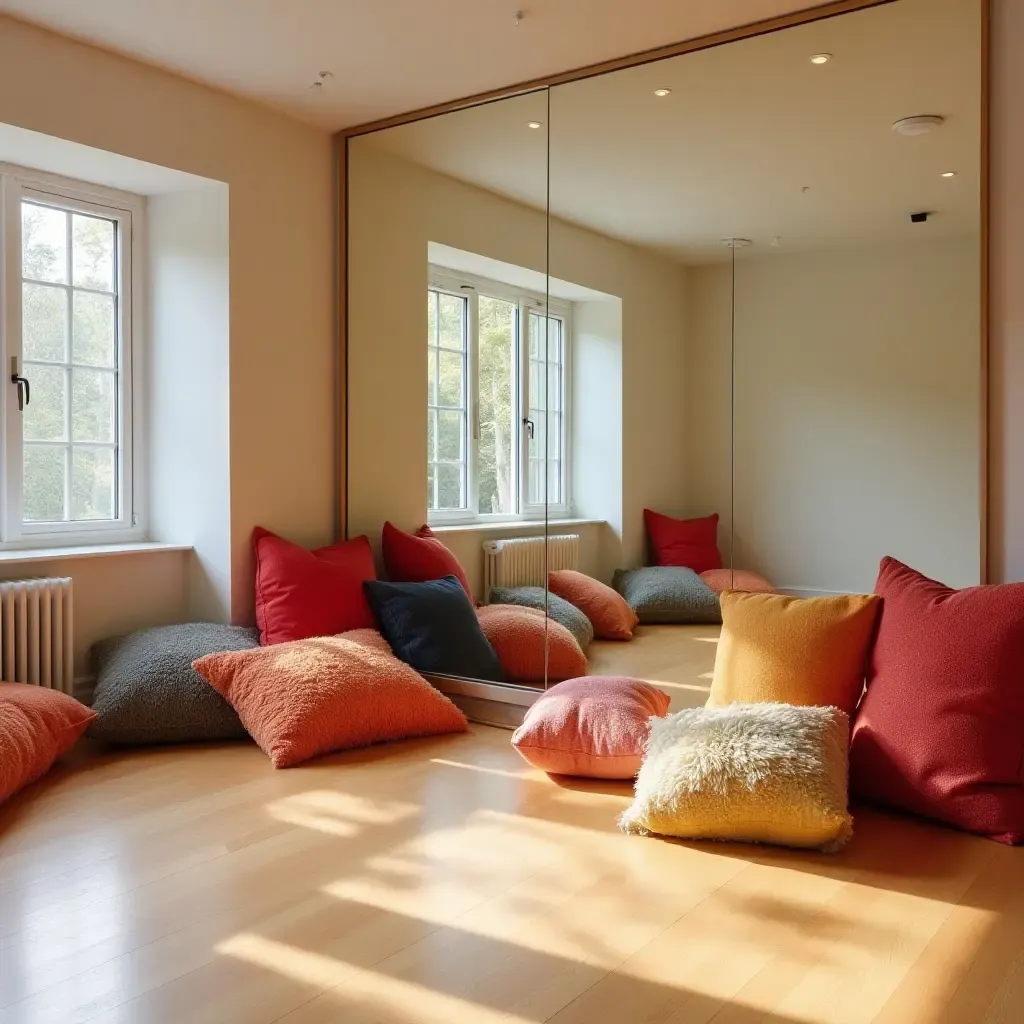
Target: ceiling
[(385, 56), (754, 140)]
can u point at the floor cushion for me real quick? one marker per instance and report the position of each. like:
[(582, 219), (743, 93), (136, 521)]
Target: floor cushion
[(519, 636), (940, 731), (763, 773), (557, 607), (433, 627), (302, 593), (607, 610), (147, 691), (37, 725), (720, 580), (667, 594), (419, 557), (793, 650), (691, 543), (596, 726), (309, 697)]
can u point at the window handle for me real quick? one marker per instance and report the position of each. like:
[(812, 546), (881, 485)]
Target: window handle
[(24, 390), (529, 427)]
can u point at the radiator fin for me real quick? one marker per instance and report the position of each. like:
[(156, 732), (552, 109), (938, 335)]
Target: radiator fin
[(36, 635)]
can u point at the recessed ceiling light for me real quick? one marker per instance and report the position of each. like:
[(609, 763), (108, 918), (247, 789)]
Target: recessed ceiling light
[(821, 58), (949, 174), (662, 92), (533, 124)]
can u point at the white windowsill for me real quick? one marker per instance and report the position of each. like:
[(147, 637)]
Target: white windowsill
[(56, 554), (512, 524)]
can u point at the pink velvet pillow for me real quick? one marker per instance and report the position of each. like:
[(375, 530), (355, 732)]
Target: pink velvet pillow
[(517, 635), (595, 726), (301, 699), (720, 580), (37, 725)]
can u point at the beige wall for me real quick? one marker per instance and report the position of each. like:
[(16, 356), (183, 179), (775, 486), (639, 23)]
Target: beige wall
[(396, 208), (857, 414), (282, 350)]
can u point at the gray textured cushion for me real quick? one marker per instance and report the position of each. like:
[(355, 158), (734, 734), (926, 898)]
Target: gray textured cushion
[(667, 594), (559, 609), (147, 691)]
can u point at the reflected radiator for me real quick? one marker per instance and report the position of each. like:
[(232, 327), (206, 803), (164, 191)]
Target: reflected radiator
[(519, 561), (36, 638)]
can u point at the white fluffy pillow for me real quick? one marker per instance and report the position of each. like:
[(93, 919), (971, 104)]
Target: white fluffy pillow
[(768, 773)]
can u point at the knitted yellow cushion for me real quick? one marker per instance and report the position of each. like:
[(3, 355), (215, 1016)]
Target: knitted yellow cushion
[(762, 773), (793, 650)]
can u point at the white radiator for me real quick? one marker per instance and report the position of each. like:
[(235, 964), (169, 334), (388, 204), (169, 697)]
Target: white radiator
[(36, 633), (519, 561)]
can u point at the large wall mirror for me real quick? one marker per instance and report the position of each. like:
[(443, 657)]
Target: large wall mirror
[(734, 283)]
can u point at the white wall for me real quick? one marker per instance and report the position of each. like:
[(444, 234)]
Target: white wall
[(396, 208), (857, 412), (281, 373)]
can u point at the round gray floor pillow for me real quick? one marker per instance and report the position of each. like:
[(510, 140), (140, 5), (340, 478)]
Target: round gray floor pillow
[(147, 691), (668, 594)]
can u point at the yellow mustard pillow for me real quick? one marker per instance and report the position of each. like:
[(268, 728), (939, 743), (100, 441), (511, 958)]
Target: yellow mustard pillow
[(762, 773), (793, 650)]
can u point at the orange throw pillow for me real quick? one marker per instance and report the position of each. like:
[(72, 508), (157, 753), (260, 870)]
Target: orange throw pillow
[(791, 650), (720, 580), (610, 615), (419, 557), (302, 699), (37, 725), (517, 635)]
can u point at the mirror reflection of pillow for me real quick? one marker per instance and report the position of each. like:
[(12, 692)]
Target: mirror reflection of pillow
[(721, 580), (518, 636), (608, 611)]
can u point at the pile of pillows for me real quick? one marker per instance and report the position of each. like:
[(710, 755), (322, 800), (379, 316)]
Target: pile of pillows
[(910, 698)]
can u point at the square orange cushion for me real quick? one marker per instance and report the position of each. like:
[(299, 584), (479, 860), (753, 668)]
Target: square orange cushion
[(37, 725), (609, 614), (305, 698), (791, 650), (518, 636)]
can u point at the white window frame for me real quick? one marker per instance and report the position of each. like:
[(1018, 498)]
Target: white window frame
[(470, 287), (127, 210)]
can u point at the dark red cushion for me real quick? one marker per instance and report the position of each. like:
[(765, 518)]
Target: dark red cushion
[(692, 543), (301, 593), (940, 729), (419, 557)]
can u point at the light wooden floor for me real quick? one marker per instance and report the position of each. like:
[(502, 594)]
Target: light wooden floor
[(444, 881)]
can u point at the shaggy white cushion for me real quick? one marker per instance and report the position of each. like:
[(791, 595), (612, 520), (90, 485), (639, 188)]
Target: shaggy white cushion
[(768, 773)]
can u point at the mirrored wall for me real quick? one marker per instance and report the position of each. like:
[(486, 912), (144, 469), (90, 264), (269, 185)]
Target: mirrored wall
[(743, 282)]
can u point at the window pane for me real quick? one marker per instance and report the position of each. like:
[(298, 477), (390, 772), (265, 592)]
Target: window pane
[(537, 441), (92, 483), (92, 405), (554, 386), (44, 483), (449, 436), (431, 435), (554, 435), (534, 336), (451, 313), (93, 329), (431, 318), (536, 485), (536, 383), (497, 324), (554, 482), (449, 486), (44, 323), (44, 243), (431, 500), (92, 252), (432, 376), (44, 418), (449, 390)]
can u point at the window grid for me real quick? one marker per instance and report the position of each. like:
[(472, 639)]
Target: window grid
[(447, 401)]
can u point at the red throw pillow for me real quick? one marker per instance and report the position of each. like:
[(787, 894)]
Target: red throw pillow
[(940, 729), (301, 593), (419, 557), (691, 543), (37, 725)]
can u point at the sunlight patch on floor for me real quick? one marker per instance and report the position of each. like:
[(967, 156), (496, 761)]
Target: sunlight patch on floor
[(524, 774), (337, 814)]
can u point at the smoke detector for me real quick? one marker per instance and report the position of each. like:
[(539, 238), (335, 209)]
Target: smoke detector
[(920, 124)]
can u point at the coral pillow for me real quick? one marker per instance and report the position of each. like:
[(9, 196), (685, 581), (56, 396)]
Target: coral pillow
[(309, 697), (419, 557), (608, 611), (518, 635), (720, 580), (595, 726), (940, 731), (302, 593), (37, 725), (691, 543), (791, 650)]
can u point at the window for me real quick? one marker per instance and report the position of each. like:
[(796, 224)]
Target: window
[(67, 340), (497, 424)]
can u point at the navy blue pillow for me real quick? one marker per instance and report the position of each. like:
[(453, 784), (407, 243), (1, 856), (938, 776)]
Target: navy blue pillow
[(433, 627)]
